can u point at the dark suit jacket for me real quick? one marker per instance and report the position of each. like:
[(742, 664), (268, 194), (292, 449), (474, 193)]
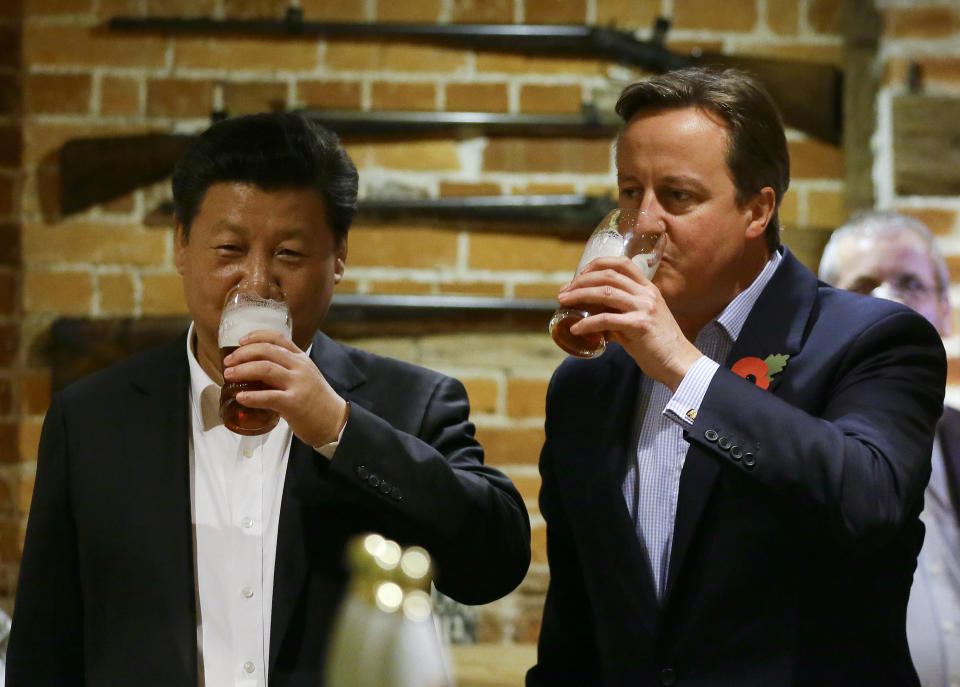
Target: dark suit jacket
[(949, 433), (106, 591), (791, 566)]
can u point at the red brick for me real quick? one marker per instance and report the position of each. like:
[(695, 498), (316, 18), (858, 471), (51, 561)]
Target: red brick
[(29, 439), (116, 294), (408, 10), (119, 96), (11, 146), (812, 159), (732, 15), (9, 303), (555, 11), (509, 63), (255, 9), (10, 245), (11, 543), (477, 97), (163, 295), (550, 99), (8, 190), (551, 155), (940, 222), (535, 189), (526, 397), (332, 10), (528, 485), (482, 392), (58, 93), (511, 445), (544, 290), (493, 290), (783, 17), (24, 494), (929, 21), (9, 342), (175, 8), (48, 7), (393, 57), (330, 94), (391, 95), (7, 499), (459, 189), (10, 94), (512, 252), (179, 97), (415, 155), (251, 97), (825, 16), (483, 11), (627, 13), (34, 393), (6, 402), (820, 54), (10, 44), (95, 243), (826, 209), (246, 54), (409, 247), (63, 293), (8, 442), (44, 44), (401, 286)]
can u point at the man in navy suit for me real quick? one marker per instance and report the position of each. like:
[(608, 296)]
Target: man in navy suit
[(732, 491), (163, 549), (890, 255)]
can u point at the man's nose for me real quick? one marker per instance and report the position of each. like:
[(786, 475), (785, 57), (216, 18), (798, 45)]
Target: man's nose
[(259, 268)]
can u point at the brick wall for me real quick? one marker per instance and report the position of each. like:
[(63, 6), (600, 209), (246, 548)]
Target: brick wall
[(79, 80), (14, 480), (928, 35)]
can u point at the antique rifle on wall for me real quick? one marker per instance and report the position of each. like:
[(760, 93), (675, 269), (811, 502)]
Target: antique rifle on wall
[(95, 170), (809, 94)]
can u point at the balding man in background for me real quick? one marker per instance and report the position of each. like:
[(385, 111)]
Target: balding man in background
[(889, 255)]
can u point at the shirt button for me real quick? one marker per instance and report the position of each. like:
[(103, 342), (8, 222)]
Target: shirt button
[(248, 667), (247, 453), (247, 593), (247, 523)]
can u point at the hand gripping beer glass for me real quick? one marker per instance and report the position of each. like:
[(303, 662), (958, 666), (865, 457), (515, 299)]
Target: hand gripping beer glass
[(623, 231), (249, 306)]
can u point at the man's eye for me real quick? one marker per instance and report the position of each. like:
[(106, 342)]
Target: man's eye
[(681, 196), (228, 248), (289, 253), (628, 192)]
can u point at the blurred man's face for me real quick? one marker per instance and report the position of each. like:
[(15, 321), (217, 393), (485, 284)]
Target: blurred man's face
[(897, 267), (243, 232)]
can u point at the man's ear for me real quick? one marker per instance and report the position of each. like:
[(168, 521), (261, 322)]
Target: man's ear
[(340, 262), (760, 209), (179, 246)]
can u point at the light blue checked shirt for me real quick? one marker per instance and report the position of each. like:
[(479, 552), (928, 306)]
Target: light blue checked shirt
[(653, 481)]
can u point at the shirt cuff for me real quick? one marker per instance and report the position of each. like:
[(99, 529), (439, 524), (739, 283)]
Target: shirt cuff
[(327, 450), (685, 402)]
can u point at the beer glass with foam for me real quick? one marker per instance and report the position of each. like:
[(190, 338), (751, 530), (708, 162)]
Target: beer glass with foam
[(249, 306), (624, 231)]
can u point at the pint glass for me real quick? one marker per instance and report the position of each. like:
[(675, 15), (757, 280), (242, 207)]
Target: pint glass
[(249, 306), (623, 231)]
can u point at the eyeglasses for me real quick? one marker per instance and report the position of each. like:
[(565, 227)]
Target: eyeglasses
[(906, 287)]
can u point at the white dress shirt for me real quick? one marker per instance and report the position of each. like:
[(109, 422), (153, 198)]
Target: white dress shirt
[(652, 482)]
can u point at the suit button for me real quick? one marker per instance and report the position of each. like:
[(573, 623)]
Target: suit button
[(736, 452), (396, 494), (711, 435), (668, 676), (373, 481), (386, 488), (362, 472), (724, 443), (748, 460)]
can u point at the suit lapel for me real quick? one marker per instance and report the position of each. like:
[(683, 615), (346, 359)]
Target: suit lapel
[(291, 564), (776, 324), (156, 438)]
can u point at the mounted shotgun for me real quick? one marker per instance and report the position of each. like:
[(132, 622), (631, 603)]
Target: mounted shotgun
[(94, 170)]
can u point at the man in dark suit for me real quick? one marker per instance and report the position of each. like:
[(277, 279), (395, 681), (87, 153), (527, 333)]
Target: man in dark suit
[(732, 491), (162, 549), (890, 255)]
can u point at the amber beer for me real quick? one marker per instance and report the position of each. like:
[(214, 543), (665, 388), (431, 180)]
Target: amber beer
[(246, 311), (623, 231)]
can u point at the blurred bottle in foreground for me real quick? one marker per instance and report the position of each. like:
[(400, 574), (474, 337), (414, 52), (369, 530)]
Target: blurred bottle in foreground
[(386, 634)]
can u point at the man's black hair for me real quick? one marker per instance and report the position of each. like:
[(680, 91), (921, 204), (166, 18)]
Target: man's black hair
[(272, 151)]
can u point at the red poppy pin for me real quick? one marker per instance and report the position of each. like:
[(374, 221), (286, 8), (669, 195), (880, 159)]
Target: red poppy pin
[(760, 372)]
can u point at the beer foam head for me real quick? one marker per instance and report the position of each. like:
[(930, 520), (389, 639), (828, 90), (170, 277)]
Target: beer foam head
[(237, 321)]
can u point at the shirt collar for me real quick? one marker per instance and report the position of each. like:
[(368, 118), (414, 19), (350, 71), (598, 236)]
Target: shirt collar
[(734, 316)]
